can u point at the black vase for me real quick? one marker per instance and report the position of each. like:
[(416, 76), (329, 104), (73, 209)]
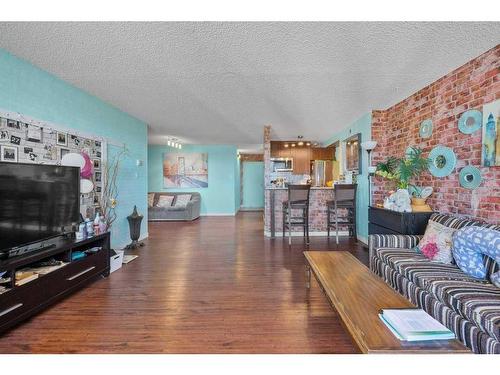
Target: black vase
[(134, 222)]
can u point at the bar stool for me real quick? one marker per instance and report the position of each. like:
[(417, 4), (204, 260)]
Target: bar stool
[(298, 199), (344, 198)]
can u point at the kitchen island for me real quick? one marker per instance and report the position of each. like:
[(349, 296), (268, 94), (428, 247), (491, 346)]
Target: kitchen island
[(273, 217)]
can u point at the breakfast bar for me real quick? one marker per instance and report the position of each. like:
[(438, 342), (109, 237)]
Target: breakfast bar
[(273, 217)]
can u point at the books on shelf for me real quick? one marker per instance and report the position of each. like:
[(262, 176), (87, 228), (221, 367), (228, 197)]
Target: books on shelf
[(25, 277), (414, 325)]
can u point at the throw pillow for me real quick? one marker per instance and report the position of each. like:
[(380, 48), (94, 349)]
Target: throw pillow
[(165, 201), (436, 243), (151, 198), (470, 244), (182, 200)]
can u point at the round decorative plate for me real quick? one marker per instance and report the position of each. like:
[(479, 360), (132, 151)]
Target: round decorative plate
[(442, 161), (426, 128), (470, 177), (86, 186), (470, 121)]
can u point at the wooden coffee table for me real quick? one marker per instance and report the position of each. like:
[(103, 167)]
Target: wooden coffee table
[(357, 294)]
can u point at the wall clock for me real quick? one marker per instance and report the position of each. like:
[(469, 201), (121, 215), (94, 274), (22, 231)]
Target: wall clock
[(470, 177), (426, 128), (442, 161), (470, 121)]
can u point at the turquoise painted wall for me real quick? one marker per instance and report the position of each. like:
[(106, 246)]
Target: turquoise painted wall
[(223, 174), (35, 93), (363, 126), (253, 184)]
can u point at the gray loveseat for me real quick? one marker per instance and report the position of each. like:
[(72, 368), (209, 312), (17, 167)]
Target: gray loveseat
[(468, 306), (189, 212)]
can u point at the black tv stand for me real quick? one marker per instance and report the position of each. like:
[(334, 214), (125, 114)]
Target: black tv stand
[(25, 250), (22, 301)]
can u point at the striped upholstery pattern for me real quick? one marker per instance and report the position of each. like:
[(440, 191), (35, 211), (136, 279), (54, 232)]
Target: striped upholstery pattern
[(467, 332), (468, 306)]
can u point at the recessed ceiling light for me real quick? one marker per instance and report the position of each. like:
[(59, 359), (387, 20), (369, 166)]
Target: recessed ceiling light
[(286, 144), (308, 143), (300, 143), (293, 145)]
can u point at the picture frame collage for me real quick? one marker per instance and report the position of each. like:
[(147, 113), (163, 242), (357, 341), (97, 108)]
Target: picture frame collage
[(22, 142)]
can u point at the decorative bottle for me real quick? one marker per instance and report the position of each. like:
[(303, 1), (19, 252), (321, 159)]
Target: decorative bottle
[(97, 221)]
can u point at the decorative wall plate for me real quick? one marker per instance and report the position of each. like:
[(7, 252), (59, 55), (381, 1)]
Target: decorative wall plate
[(442, 161), (470, 121), (470, 177), (86, 186), (426, 128)]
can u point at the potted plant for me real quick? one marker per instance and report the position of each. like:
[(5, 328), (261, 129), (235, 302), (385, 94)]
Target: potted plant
[(403, 170), (419, 196)]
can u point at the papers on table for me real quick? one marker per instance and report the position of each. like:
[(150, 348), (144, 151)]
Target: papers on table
[(414, 325)]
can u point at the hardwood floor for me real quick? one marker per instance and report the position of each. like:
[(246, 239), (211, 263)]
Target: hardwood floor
[(215, 285)]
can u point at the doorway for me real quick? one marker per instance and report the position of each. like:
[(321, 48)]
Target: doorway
[(252, 185)]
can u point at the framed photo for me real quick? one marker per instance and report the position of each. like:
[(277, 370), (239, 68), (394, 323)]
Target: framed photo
[(8, 153), (62, 139), (33, 133), (15, 140), (4, 136), (353, 154), (98, 176), (98, 189), (96, 199), (97, 164), (27, 150), (62, 152), (97, 143), (13, 124), (3, 122)]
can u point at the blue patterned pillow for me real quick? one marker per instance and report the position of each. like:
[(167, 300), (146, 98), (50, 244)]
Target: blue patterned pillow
[(470, 244)]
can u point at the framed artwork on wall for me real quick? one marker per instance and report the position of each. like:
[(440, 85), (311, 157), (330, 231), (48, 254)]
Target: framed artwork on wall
[(185, 170), (490, 155), (8, 153), (353, 153), (62, 139), (4, 136)]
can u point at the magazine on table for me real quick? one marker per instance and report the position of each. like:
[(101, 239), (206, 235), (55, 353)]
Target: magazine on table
[(414, 325)]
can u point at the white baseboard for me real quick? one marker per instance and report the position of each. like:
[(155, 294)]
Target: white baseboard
[(311, 234)]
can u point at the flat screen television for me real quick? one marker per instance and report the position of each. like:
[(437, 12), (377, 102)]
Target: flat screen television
[(37, 202)]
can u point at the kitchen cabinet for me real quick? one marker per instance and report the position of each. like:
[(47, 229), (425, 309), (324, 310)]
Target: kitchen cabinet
[(302, 155)]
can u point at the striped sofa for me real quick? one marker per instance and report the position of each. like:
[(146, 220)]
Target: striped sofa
[(468, 306)]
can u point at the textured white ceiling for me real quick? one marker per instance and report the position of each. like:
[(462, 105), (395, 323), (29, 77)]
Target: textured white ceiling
[(220, 83)]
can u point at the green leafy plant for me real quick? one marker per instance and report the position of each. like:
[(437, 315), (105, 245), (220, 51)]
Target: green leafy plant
[(403, 170)]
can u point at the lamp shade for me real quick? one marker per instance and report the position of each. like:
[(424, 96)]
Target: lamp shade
[(369, 145)]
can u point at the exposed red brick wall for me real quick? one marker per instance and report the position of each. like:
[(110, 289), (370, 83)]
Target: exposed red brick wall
[(396, 128)]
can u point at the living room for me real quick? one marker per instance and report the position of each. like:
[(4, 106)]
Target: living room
[(250, 188)]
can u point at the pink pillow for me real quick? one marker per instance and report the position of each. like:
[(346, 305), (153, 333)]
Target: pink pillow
[(436, 243)]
